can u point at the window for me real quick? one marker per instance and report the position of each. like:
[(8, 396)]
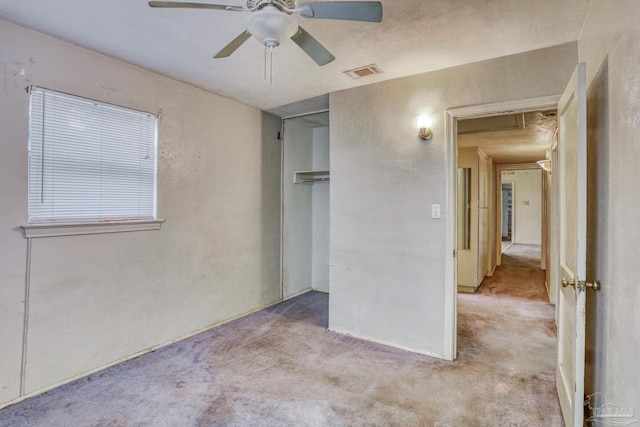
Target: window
[(90, 162)]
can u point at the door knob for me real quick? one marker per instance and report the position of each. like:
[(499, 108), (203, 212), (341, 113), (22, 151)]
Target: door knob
[(583, 285)]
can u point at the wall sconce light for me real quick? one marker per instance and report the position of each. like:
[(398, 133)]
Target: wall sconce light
[(424, 127), (546, 163)]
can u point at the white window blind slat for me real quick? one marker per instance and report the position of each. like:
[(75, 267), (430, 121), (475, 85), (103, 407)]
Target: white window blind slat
[(90, 161)]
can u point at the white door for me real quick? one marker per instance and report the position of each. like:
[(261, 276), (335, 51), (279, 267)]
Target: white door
[(572, 203)]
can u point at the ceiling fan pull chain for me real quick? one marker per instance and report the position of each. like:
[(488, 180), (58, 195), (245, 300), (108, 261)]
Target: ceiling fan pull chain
[(271, 67), (265, 62)]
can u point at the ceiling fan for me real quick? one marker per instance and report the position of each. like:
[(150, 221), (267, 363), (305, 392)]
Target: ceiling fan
[(271, 21)]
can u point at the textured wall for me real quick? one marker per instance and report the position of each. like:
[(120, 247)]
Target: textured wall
[(387, 254), (609, 45), (297, 219), (97, 299), (321, 196)]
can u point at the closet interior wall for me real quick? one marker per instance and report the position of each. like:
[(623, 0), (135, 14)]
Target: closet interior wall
[(305, 192)]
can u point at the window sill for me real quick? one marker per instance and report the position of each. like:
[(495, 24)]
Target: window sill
[(54, 230)]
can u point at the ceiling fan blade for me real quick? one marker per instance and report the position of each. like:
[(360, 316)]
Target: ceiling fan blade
[(312, 47), (235, 44), (186, 5), (368, 11)]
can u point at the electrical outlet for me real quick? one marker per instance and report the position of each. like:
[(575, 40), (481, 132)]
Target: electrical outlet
[(435, 211)]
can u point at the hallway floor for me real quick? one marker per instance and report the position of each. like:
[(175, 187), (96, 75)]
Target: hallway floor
[(519, 276), (282, 367)]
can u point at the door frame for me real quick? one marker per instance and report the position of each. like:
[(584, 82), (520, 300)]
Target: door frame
[(498, 237), (500, 212), (452, 115)]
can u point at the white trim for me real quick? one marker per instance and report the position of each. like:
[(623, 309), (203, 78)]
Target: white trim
[(396, 346), (452, 115), (54, 230), (282, 148), (451, 281), (295, 116), (25, 330), (508, 107), (543, 229)]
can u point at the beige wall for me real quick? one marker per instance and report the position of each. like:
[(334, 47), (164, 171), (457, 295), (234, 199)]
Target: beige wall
[(475, 263), (467, 265), (97, 299), (387, 253), (486, 216), (297, 217), (609, 45)]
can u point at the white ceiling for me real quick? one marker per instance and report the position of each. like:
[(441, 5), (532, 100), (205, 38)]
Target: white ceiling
[(415, 36)]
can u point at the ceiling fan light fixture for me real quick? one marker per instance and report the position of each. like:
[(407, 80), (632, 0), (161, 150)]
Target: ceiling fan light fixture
[(270, 26)]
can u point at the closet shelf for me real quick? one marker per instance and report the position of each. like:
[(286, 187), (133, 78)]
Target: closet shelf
[(310, 177)]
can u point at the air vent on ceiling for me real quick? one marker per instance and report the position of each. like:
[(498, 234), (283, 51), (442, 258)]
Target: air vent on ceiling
[(368, 70)]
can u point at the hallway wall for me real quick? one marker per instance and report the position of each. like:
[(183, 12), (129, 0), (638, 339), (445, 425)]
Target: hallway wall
[(609, 45)]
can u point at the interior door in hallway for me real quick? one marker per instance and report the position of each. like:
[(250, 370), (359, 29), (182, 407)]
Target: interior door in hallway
[(572, 182)]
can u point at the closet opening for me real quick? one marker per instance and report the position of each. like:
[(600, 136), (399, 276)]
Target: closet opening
[(305, 204)]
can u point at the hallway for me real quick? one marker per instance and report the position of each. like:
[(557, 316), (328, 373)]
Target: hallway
[(510, 314), (519, 276)]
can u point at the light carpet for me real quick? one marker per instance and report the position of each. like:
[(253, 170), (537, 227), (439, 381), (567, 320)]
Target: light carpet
[(282, 367)]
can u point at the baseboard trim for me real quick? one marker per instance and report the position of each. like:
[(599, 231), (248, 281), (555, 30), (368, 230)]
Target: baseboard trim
[(297, 294), (467, 289), (493, 270), (401, 347)]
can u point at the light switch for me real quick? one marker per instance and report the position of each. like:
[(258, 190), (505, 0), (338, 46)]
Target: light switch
[(435, 211)]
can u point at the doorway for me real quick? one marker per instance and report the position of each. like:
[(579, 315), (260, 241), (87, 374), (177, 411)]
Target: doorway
[(454, 117), (506, 213), (522, 209), (305, 204)]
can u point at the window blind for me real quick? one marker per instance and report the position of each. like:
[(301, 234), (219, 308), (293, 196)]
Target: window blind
[(90, 161)]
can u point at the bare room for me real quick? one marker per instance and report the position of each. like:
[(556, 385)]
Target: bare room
[(271, 212)]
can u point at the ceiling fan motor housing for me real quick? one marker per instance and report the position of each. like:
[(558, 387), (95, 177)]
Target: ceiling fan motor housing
[(270, 25), (283, 5)]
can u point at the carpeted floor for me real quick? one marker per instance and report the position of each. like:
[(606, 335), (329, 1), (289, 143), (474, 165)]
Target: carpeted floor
[(523, 255), (281, 367), (518, 277)]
